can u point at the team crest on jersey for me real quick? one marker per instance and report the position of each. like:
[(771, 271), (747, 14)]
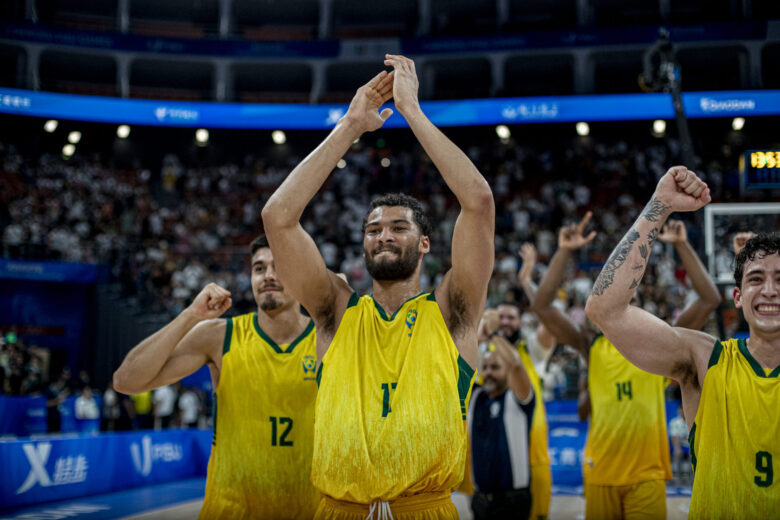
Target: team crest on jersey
[(411, 318), (309, 364)]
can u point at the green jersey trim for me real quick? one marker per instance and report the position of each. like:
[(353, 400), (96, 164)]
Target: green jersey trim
[(273, 344), (382, 312), (228, 335), (715, 356), (755, 365), (465, 377)]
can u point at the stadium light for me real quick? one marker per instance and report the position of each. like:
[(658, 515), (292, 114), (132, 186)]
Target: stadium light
[(583, 129), (51, 125), (68, 150), (503, 132), (385, 162), (74, 137), (341, 164), (659, 127), (738, 123), (122, 131), (201, 136), (279, 137)]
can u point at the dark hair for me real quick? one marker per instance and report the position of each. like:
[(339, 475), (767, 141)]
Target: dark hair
[(760, 246), (258, 243), (407, 201)]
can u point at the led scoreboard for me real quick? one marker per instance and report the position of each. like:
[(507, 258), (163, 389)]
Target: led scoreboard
[(760, 169)]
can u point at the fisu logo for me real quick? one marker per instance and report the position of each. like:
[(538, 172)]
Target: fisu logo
[(143, 460)]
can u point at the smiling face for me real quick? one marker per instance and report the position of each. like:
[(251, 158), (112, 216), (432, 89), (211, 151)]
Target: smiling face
[(759, 294), (392, 244), (509, 321), (268, 291), (494, 375)]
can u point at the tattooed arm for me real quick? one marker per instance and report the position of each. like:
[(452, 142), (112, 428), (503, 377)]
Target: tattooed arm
[(647, 341)]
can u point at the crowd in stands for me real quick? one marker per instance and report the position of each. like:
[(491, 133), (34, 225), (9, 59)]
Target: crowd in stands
[(166, 230)]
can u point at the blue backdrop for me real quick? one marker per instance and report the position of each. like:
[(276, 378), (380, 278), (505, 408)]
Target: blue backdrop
[(36, 471), (616, 107)]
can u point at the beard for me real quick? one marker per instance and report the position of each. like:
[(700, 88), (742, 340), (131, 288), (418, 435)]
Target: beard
[(400, 269), (270, 301), (490, 385)]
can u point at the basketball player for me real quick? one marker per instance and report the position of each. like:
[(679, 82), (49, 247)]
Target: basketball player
[(626, 454), (395, 367), (262, 367), (731, 388)]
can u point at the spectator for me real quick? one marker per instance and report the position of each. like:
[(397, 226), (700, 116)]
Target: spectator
[(110, 409), (189, 405), (142, 407), (678, 431), (164, 400)]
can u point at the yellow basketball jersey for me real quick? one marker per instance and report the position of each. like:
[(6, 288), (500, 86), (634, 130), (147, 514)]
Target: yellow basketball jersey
[(735, 439), (264, 426), (391, 408), (538, 454), (627, 442)]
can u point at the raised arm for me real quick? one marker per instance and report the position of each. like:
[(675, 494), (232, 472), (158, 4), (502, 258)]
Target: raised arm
[(517, 375), (570, 238), (708, 298), (298, 261), (647, 341), (194, 338), (463, 290), (524, 278)]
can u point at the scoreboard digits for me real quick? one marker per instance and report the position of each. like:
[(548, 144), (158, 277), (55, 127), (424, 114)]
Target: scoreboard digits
[(761, 169)]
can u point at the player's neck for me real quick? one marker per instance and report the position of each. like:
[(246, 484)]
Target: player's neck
[(765, 348), (390, 295), (284, 325)]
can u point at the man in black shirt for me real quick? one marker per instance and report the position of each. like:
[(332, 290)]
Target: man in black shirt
[(500, 415)]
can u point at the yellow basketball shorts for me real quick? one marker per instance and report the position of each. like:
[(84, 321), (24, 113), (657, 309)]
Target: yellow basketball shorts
[(425, 506), (541, 491), (642, 501)]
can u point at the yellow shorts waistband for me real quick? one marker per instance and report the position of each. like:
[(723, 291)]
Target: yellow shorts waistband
[(406, 504)]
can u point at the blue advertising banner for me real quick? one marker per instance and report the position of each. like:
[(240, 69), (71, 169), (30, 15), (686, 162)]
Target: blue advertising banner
[(72, 272), (24, 416), (36, 471), (617, 107), (567, 436)]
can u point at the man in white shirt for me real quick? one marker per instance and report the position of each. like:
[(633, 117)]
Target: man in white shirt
[(164, 401)]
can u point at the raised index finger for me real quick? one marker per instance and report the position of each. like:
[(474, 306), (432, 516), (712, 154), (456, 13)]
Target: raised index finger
[(584, 222)]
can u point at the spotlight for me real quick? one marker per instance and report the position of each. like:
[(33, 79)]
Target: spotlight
[(659, 127), (503, 132), (341, 164), (74, 137), (738, 123), (68, 150), (278, 137), (122, 131), (51, 125), (201, 136), (385, 162), (583, 129)]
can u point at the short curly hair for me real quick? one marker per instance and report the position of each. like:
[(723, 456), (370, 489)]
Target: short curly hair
[(407, 201), (760, 246)]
